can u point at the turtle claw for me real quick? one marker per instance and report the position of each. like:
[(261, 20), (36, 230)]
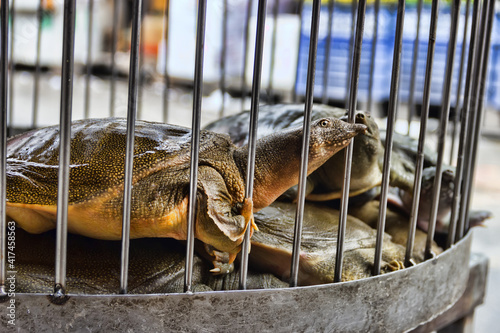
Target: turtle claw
[(223, 261), (247, 212), (395, 265)]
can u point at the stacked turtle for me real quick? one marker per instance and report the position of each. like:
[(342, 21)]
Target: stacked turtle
[(160, 180), (161, 189), (325, 184)]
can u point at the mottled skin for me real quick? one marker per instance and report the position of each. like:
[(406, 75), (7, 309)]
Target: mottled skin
[(160, 179), (402, 176), (326, 182), (272, 245), (396, 225), (156, 266)]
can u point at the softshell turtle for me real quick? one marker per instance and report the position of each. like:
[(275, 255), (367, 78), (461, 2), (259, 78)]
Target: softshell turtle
[(397, 225), (326, 182), (160, 179), (272, 245), (155, 266), (405, 151)]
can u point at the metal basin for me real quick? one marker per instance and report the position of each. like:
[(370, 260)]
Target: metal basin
[(395, 302)]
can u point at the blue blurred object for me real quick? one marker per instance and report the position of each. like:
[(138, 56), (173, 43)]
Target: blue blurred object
[(339, 55)]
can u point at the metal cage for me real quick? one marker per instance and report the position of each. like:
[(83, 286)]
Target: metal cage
[(398, 301)]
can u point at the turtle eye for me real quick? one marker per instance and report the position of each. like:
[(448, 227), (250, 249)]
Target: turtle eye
[(324, 123)]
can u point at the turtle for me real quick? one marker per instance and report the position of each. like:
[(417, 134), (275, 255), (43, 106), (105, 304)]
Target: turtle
[(326, 182), (156, 266), (160, 181), (272, 245), (402, 173), (397, 225)]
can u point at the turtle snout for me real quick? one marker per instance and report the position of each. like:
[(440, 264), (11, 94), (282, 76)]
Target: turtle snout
[(359, 128)]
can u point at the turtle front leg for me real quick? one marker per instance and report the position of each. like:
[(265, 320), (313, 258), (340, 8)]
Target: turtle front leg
[(221, 224), (223, 261)]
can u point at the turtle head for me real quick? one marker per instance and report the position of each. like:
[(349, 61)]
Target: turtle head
[(328, 136)]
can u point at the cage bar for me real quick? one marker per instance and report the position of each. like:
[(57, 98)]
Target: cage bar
[(353, 98), (223, 59), (295, 98), (417, 184), (166, 76), (90, 23), (64, 146), (36, 81), (328, 45), (306, 133), (129, 152), (466, 115), (354, 4), (114, 41), (252, 130), (411, 100), (373, 53), (12, 16), (391, 115), (245, 55), (4, 58), (141, 67), (485, 40), (445, 112), (270, 92), (459, 108), (195, 141)]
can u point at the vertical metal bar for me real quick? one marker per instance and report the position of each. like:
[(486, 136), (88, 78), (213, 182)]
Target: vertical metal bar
[(141, 67), (64, 146), (351, 50), (417, 184), (10, 100), (294, 89), (222, 63), (391, 116), (445, 112), (411, 100), (89, 59), (372, 57), (245, 55), (36, 81), (166, 77), (353, 98), (459, 109), (195, 140), (4, 57), (328, 45), (299, 214), (252, 131), (114, 41), (466, 115), (129, 154), (482, 66), (273, 52)]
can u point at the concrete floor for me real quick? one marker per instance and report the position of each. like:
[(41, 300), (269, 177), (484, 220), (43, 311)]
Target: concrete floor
[(487, 182), (487, 196)]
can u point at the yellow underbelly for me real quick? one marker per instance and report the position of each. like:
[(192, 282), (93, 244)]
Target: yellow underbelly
[(88, 219)]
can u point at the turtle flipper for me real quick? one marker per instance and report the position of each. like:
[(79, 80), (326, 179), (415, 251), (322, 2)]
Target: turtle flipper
[(221, 225), (33, 218)]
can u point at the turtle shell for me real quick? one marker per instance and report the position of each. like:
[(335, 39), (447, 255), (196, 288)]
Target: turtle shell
[(160, 177), (156, 266), (272, 244)]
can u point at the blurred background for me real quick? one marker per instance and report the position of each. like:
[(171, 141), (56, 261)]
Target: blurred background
[(167, 68)]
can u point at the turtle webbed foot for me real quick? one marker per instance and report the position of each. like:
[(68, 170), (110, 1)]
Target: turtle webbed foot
[(395, 265), (222, 261)]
